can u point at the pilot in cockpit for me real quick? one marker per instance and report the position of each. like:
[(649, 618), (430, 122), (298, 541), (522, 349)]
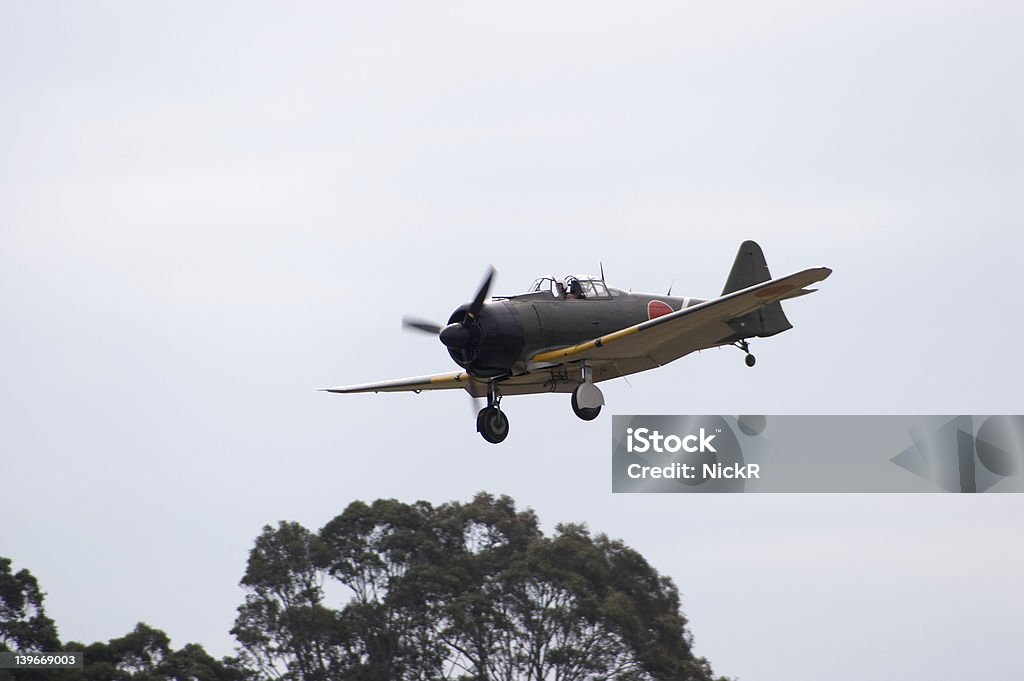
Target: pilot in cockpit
[(575, 289)]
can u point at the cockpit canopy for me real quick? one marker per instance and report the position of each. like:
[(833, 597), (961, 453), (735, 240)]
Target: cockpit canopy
[(579, 287)]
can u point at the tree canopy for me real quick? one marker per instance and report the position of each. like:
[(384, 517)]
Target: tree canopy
[(391, 591), (144, 654), (23, 622), (463, 591)]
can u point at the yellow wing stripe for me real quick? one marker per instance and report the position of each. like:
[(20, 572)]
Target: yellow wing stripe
[(459, 379), (555, 355), (450, 378)]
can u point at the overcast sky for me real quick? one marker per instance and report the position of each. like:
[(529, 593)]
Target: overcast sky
[(210, 210)]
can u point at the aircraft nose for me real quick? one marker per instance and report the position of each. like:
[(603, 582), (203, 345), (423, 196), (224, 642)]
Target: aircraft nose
[(456, 336)]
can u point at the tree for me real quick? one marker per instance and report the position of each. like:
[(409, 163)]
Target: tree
[(144, 654), (467, 591), (284, 630), (24, 625)]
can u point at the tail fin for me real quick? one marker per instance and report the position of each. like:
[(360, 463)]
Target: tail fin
[(748, 269)]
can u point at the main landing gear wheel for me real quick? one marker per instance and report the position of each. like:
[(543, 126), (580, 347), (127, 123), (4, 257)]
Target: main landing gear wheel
[(585, 413), (750, 360), (492, 424)]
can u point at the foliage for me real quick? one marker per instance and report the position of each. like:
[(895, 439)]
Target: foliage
[(407, 592), (144, 654), (466, 591), (24, 625)]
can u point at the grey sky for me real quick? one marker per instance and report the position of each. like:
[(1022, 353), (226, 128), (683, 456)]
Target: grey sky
[(207, 212)]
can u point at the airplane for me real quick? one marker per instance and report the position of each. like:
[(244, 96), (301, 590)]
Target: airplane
[(565, 336)]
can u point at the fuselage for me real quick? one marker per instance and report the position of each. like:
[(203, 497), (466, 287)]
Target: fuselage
[(512, 329)]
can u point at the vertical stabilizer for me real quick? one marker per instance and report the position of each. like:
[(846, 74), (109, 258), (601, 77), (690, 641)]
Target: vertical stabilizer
[(748, 269)]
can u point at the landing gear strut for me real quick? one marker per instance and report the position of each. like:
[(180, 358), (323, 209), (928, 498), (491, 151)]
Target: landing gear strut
[(743, 345), (491, 422), (587, 398)]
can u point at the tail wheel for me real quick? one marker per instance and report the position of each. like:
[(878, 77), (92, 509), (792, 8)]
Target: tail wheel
[(492, 424), (745, 347)]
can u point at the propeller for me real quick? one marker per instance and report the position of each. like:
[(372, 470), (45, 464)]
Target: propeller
[(460, 335), (421, 325), (481, 294)]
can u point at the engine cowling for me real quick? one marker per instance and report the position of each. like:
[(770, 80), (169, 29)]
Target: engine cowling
[(487, 344)]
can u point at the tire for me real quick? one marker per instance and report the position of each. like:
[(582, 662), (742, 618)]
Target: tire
[(492, 424), (584, 413)]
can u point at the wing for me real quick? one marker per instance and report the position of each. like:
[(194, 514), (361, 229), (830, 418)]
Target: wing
[(663, 339), (458, 379), (555, 379)]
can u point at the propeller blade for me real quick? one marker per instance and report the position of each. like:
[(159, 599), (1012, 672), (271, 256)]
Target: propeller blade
[(421, 325), (481, 294)]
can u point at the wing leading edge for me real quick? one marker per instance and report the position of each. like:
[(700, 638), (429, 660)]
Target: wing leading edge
[(449, 381)]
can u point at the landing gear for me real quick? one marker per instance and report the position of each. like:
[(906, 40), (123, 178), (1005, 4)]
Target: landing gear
[(743, 345), (587, 398), (491, 422), (585, 413)]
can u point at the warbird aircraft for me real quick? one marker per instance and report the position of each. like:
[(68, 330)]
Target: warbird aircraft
[(566, 336)]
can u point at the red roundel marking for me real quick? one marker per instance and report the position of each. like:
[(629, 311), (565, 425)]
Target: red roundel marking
[(656, 308)]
